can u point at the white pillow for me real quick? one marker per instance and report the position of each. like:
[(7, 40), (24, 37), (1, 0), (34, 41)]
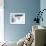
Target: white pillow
[(21, 42)]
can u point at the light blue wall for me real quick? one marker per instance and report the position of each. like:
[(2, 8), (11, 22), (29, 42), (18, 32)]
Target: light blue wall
[(29, 7), (43, 6)]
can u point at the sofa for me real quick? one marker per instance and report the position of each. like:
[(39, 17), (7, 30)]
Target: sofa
[(39, 33), (39, 37)]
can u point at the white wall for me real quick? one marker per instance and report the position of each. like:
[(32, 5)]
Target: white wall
[(1, 21)]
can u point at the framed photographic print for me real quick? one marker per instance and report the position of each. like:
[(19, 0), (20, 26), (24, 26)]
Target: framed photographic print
[(17, 18)]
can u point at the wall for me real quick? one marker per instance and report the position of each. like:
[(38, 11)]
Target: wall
[(43, 6), (1, 21), (29, 7)]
